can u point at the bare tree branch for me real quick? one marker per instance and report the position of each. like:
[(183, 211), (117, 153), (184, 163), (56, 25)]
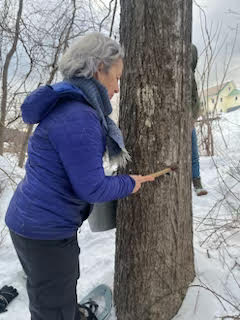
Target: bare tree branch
[(113, 17), (108, 14)]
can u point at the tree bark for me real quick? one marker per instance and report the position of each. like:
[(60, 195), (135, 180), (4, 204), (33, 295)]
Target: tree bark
[(154, 251), (23, 151)]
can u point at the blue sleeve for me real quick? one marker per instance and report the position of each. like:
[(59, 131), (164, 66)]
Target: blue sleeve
[(80, 144)]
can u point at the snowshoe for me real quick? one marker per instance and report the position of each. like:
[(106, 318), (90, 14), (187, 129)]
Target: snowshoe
[(97, 304)]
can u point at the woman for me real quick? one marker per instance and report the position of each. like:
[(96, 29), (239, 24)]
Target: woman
[(196, 178), (64, 173)]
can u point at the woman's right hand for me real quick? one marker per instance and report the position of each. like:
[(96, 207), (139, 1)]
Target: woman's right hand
[(139, 180)]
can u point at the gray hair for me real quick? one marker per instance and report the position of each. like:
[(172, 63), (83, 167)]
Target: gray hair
[(84, 56)]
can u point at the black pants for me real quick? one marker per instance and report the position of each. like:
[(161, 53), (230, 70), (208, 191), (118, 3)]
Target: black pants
[(52, 269)]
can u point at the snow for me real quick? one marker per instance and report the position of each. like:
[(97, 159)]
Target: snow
[(215, 292)]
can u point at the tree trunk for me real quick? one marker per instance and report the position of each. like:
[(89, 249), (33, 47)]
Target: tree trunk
[(154, 251), (22, 155), (5, 75)]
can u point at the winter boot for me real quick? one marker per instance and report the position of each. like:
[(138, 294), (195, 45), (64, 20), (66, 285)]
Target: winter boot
[(87, 310), (198, 188)]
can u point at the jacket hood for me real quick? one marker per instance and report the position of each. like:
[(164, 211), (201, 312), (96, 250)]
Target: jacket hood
[(44, 99)]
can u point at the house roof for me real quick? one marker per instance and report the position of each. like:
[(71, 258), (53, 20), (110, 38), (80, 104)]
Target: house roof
[(213, 91), (235, 92)]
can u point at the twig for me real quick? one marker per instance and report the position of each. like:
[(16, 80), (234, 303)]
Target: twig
[(8, 176), (217, 295), (231, 317)]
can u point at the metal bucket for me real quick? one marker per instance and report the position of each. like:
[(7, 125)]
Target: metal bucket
[(103, 216)]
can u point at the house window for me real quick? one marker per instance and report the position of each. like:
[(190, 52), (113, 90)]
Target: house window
[(221, 99), (236, 98), (212, 100), (229, 88)]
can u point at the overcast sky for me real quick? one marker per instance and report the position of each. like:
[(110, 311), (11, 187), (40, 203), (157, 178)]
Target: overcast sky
[(224, 14)]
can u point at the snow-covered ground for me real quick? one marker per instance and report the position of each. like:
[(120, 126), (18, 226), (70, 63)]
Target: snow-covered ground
[(215, 291)]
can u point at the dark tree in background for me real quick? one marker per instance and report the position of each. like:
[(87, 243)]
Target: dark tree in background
[(4, 66), (154, 249)]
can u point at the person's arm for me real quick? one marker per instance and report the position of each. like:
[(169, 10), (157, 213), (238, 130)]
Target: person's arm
[(80, 144)]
